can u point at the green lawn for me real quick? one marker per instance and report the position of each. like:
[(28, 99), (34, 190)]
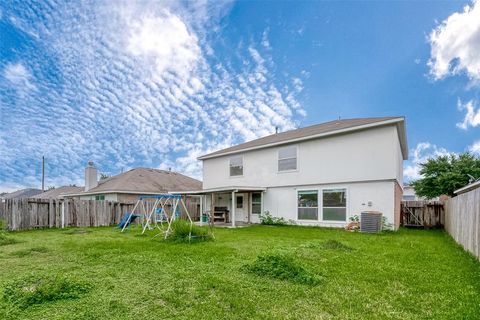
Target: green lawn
[(411, 274)]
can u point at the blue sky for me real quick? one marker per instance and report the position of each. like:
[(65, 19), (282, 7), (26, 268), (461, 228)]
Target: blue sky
[(157, 84)]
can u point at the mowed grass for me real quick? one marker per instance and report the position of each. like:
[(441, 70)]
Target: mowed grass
[(410, 274)]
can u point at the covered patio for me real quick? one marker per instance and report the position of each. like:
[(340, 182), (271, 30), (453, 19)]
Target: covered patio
[(229, 206)]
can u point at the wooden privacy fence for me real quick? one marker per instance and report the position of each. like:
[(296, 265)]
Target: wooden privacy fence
[(462, 220), (426, 214), (24, 214)]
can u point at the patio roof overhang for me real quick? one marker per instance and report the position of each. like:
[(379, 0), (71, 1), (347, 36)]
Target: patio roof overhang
[(221, 190)]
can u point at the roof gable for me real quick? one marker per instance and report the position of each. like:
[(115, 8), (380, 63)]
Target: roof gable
[(317, 131)]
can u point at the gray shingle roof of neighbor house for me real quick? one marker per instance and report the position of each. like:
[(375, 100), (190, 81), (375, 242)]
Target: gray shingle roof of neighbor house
[(22, 193), (58, 193), (317, 131), (145, 180)]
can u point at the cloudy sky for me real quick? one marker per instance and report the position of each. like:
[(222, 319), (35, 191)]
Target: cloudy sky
[(157, 84)]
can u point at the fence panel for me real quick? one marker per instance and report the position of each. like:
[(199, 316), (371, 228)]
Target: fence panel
[(462, 220), (427, 214), (24, 214)]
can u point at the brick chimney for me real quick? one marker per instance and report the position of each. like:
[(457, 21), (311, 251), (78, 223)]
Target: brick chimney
[(91, 179)]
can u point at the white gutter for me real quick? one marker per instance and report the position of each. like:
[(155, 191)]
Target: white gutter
[(223, 189), (88, 193), (320, 135)]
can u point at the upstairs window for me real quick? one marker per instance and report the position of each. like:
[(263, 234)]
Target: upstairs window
[(287, 158), (236, 166)]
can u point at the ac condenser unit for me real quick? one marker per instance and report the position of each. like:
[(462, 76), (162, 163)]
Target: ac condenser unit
[(371, 221)]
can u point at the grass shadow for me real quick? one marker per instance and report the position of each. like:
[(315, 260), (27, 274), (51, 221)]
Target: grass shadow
[(29, 251)]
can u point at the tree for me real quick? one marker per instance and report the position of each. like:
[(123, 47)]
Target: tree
[(445, 174)]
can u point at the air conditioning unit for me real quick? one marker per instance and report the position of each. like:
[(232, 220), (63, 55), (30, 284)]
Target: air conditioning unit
[(371, 221)]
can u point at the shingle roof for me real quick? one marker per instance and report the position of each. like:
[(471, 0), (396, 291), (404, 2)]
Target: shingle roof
[(58, 193), (22, 193), (318, 129), (146, 180)]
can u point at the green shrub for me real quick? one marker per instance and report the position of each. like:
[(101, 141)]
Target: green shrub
[(32, 290), (4, 240), (386, 226), (282, 267), (267, 219), (3, 225), (181, 232)]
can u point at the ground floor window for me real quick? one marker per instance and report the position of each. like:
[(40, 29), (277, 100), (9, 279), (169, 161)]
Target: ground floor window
[(308, 205), (334, 204), (100, 197), (256, 203)]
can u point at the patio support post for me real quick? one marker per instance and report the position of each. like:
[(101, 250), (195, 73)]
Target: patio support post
[(233, 209), (212, 208)]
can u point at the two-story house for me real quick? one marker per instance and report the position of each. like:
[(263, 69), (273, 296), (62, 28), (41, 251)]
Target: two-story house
[(317, 175)]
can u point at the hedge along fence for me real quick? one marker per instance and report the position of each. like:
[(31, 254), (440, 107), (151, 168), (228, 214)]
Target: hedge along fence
[(24, 214), (462, 220)]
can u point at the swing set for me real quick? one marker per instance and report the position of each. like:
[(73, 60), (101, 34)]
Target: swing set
[(165, 209)]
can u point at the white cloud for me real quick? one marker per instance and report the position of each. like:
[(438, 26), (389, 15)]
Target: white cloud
[(134, 85), (265, 42), (475, 147), (421, 153), (19, 76), (165, 40), (455, 44), (472, 115)]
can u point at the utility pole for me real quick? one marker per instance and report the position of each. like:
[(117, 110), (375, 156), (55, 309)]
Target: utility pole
[(43, 173)]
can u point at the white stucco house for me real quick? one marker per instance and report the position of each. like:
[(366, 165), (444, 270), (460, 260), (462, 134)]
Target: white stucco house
[(317, 175)]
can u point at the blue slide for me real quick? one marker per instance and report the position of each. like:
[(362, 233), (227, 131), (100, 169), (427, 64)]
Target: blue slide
[(126, 220)]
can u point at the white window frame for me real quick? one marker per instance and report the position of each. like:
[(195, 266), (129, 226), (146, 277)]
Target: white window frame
[(346, 204), (252, 203), (318, 203), (230, 166), (296, 159)]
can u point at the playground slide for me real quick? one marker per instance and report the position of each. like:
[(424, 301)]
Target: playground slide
[(127, 220)]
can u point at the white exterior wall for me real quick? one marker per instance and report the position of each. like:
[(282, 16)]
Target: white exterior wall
[(398, 162), (282, 201), (367, 163), (367, 155)]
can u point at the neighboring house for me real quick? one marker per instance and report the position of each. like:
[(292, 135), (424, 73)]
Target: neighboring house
[(22, 194), (128, 186), (410, 195), (318, 175), (58, 193)]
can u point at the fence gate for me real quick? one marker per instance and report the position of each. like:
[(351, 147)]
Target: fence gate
[(423, 214)]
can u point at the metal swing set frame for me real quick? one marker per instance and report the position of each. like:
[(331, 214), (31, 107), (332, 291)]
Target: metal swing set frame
[(164, 211)]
